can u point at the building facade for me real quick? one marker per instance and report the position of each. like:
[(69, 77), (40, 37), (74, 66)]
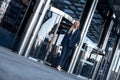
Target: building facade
[(35, 28)]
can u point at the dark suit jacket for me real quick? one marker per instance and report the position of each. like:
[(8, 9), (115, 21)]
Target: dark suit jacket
[(71, 39)]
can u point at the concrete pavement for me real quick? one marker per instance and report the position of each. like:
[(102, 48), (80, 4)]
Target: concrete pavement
[(15, 67)]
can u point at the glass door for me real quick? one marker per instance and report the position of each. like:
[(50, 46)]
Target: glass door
[(88, 61), (46, 35), (47, 44)]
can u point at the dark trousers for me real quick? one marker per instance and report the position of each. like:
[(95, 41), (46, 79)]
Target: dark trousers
[(65, 54)]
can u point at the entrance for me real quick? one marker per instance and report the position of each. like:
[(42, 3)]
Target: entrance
[(47, 44)]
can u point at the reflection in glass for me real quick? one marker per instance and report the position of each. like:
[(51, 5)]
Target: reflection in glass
[(109, 53), (46, 36), (88, 58), (90, 55), (10, 23)]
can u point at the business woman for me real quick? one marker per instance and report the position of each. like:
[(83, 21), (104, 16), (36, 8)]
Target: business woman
[(69, 43)]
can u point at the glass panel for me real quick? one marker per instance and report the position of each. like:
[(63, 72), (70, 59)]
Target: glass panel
[(10, 21), (109, 53), (90, 55), (116, 67), (3, 7), (72, 7), (88, 58), (47, 45), (46, 36), (95, 29)]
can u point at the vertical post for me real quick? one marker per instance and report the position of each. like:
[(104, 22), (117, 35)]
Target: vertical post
[(106, 30), (104, 39), (60, 18), (95, 71), (107, 35), (116, 66), (113, 60), (30, 28), (83, 35), (118, 76), (85, 12), (37, 27)]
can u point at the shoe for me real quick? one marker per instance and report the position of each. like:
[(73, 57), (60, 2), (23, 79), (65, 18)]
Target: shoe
[(58, 68)]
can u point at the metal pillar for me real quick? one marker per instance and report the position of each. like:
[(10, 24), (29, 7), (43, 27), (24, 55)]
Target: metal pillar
[(37, 27), (85, 13), (30, 28), (113, 60), (118, 74), (83, 35), (60, 18), (107, 35), (106, 31), (116, 66)]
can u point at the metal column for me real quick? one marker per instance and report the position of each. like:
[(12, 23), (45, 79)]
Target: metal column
[(118, 74), (114, 57), (107, 35), (106, 30), (83, 35), (37, 27), (116, 66), (60, 18), (30, 28)]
